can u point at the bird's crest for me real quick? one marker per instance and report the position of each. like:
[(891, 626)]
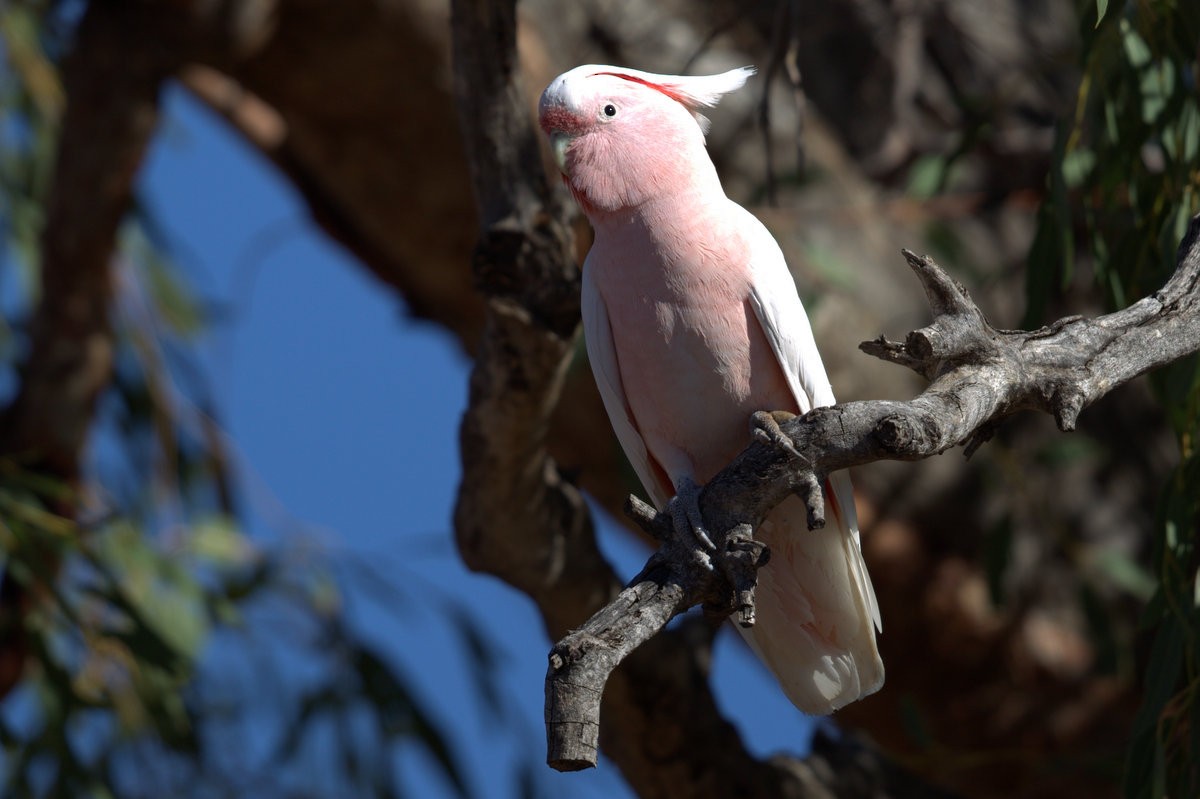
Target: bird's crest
[(692, 91)]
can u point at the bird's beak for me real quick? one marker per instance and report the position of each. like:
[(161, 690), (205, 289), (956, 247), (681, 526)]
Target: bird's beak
[(559, 142)]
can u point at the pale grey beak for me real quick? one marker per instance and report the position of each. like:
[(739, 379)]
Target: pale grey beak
[(559, 142)]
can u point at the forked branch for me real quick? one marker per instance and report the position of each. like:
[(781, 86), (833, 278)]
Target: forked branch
[(979, 376)]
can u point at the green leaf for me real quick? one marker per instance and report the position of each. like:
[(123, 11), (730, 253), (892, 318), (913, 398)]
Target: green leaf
[(927, 175), (1140, 763), (914, 722), (1137, 52), (163, 602), (1125, 573), (314, 703), (1112, 128), (1181, 138), (400, 713), (1162, 674), (172, 300), (482, 658), (220, 541), (1157, 85), (830, 268), (996, 556), (1077, 166)]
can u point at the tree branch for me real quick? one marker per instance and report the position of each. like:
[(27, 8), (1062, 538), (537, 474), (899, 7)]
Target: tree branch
[(980, 376), (111, 113)]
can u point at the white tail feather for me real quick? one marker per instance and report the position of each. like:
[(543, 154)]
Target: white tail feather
[(816, 612)]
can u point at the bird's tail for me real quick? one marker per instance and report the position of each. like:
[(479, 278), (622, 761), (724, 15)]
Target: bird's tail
[(816, 609)]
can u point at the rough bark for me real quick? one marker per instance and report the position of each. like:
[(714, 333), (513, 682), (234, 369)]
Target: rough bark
[(110, 116)]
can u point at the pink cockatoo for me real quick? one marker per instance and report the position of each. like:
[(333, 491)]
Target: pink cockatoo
[(693, 323)]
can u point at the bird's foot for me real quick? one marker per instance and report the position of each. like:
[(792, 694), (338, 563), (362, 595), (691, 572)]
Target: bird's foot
[(765, 426), (685, 513)]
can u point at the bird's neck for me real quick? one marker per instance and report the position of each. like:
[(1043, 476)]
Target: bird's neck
[(662, 207), (662, 221), (613, 180)]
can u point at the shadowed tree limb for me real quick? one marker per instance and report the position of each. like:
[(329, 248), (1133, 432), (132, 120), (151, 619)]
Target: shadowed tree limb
[(111, 113), (979, 375)]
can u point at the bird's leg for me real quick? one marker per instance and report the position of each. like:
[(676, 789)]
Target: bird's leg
[(765, 426), (685, 512)]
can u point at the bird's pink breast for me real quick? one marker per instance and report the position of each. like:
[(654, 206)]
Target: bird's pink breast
[(693, 359)]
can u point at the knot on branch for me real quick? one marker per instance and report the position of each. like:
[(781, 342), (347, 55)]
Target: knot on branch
[(922, 344), (739, 563), (809, 490), (899, 434), (1066, 404), (571, 649)]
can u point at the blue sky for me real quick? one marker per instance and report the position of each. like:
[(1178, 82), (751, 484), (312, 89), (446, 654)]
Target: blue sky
[(345, 412)]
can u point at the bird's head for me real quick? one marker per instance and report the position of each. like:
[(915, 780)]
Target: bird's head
[(621, 136)]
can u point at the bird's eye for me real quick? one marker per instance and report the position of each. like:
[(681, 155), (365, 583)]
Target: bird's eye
[(610, 110)]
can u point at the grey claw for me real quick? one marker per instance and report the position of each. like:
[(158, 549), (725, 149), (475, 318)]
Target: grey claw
[(685, 513), (765, 427)]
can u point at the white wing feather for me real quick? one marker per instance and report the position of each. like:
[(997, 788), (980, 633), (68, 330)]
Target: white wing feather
[(785, 323), (603, 355)]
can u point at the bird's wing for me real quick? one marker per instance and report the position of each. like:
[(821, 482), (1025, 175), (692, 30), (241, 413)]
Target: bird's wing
[(782, 316), (597, 334), (785, 323)]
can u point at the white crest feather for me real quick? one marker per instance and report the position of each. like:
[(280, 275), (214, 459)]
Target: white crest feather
[(693, 91)]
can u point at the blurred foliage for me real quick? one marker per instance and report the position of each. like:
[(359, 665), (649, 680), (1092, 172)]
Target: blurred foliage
[(166, 648), (1124, 182)]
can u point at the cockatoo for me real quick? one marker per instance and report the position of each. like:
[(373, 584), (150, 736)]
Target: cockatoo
[(692, 323)]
